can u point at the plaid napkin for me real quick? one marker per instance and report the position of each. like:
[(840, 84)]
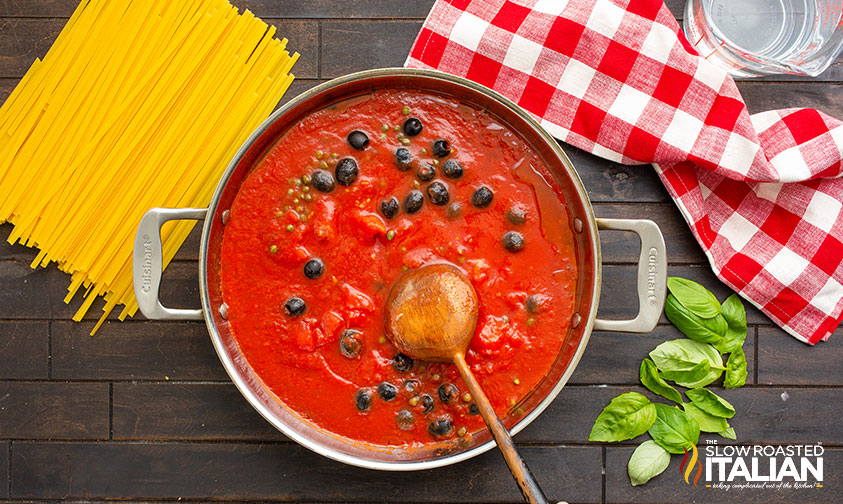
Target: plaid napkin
[(617, 78)]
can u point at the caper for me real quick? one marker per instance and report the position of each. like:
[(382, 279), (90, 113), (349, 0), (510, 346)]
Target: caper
[(351, 343)]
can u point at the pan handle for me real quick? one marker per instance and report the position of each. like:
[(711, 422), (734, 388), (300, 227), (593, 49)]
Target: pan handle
[(652, 276), (148, 263)]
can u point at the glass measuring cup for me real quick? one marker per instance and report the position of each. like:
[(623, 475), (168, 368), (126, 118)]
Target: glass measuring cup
[(750, 38)]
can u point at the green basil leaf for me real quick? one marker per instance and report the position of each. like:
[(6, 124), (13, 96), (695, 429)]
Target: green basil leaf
[(735, 315), (694, 297), (706, 330), (711, 403), (647, 461), (686, 355), (650, 378), (625, 417), (697, 374), (673, 430), (706, 421), (729, 433), (735, 369)]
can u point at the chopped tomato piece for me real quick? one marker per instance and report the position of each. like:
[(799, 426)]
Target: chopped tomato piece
[(368, 225), (332, 322)]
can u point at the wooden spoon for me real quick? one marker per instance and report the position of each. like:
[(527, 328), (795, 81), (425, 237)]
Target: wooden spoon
[(431, 313)]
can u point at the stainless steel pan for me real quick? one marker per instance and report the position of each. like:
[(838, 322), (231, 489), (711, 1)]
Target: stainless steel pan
[(652, 267)]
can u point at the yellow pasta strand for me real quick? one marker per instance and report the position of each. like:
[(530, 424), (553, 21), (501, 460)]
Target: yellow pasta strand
[(138, 104)]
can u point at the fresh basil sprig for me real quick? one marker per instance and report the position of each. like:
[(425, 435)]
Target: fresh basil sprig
[(650, 378), (713, 329), (694, 297), (673, 430), (735, 316), (711, 403), (687, 362), (627, 416), (706, 421), (647, 461), (707, 330), (735, 369)]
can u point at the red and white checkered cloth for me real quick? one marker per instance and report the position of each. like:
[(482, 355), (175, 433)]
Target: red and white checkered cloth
[(761, 193)]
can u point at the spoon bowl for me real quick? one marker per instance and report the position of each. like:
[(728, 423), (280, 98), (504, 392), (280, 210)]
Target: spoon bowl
[(431, 315)]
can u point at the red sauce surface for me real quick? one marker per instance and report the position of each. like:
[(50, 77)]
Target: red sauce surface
[(298, 357)]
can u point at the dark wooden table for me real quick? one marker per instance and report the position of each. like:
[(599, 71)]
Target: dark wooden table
[(144, 410)]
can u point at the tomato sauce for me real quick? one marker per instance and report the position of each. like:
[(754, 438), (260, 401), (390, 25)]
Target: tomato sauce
[(280, 221)]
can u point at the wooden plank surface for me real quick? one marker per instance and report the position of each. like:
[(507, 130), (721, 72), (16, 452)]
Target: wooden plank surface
[(144, 412), (280, 472)]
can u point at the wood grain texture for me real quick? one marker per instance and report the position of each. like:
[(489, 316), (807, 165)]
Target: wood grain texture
[(351, 46), (785, 361), (262, 8), (27, 293), (24, 350), (624, 247), (135, 351), (281, 472), (22, 40), (46, 410), (186, 411), (203, 412)]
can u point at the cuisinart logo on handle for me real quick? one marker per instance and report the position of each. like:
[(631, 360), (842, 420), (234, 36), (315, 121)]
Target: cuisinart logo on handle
[(651, 275), (146, 271)]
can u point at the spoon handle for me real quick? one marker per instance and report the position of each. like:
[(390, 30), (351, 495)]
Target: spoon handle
[(530, 489)]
